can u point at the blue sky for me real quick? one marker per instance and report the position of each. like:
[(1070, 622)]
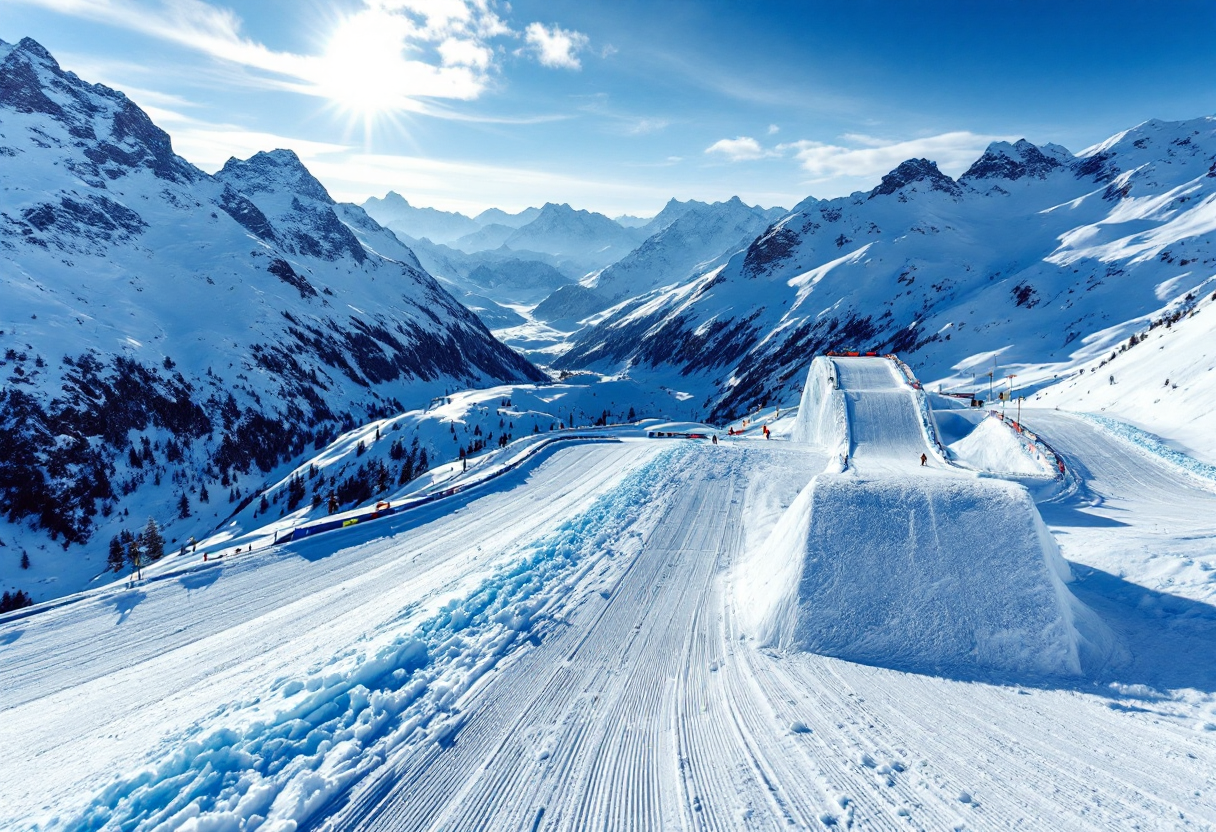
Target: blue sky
[(619, 105)]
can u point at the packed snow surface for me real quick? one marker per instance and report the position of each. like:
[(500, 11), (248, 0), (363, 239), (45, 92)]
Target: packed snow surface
[(561, 648), (995, 446), (889, 569)]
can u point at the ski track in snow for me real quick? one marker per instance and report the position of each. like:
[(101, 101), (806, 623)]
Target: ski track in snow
[(563, 654)]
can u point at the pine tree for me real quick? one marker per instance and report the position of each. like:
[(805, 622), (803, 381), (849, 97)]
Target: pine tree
[(25, 560), (183, 506), (151, 541), (203, 496), (117, 558), (295, 492)]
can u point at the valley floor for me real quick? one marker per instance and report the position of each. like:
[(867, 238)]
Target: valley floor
[(559, 650)]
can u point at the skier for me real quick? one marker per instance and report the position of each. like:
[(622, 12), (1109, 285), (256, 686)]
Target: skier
[(715, 439), (766, 431), (923, 459)]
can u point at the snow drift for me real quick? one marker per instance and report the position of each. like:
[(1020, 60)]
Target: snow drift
[(930, 574), (993, 446)]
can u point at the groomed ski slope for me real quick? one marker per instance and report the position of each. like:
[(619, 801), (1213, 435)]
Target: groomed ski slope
[(562, 650)]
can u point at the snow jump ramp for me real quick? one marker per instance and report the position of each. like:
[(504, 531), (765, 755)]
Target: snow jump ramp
[(896, 564)]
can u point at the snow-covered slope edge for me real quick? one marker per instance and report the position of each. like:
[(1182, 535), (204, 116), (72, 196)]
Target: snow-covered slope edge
[(1157, 373)]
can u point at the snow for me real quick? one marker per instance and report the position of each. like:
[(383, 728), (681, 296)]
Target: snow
[(565, 647), (1164, 385), (589, 628), (885, 569), (995, 446)]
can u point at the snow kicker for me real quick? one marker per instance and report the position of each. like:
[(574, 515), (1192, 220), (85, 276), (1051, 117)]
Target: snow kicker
[(907, 565)]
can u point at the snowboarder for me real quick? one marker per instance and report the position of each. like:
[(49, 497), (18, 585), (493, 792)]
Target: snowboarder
[(923, 459), (1112, 379), (766, 431)]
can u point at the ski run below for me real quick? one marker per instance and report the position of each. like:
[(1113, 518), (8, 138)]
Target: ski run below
[(564, 648)]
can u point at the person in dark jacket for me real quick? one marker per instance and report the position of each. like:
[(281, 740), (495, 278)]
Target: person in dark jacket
[(923, 459)]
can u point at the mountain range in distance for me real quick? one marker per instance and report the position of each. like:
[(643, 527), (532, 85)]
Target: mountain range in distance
[(172, 342)]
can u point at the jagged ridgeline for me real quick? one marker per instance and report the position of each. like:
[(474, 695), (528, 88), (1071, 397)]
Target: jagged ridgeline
[(163, 330), (1025, 255)]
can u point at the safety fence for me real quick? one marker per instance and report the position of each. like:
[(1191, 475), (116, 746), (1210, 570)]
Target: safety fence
[(1036, 445)]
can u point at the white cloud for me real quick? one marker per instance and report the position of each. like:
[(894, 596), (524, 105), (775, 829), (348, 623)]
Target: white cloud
[(741, 149), (461, 52), (772, 128), (383, 55), (954, 152), (555, 47)]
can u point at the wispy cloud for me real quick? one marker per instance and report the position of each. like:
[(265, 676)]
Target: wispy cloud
[(382, 55), (953, 152), (554, 46), (456, 185), (861, 156)]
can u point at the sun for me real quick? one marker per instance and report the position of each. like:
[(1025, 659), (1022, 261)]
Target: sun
[(364, 70)]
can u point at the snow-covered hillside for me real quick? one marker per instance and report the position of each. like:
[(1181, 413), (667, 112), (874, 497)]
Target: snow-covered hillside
[(1161, 378), (1026, 255), (168, 337)]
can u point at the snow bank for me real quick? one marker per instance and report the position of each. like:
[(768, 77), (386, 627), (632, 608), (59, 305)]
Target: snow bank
[(927, 575), (822, 418), (993, 446)]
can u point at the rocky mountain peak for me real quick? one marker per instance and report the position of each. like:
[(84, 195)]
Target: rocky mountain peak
[(1002, 160), (915, 170), (114, 136), (275, 172)]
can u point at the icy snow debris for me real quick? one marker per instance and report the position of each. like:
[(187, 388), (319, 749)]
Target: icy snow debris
[(277, 770), (926, 575), (994, 446), (1151, 444)]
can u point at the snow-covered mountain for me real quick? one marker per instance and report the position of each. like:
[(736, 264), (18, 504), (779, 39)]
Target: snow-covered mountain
[(700, 237), (672, 211), (1027, 254), (169, 337), (490, 236), (497, 216), (395, 212), (585, 236)]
